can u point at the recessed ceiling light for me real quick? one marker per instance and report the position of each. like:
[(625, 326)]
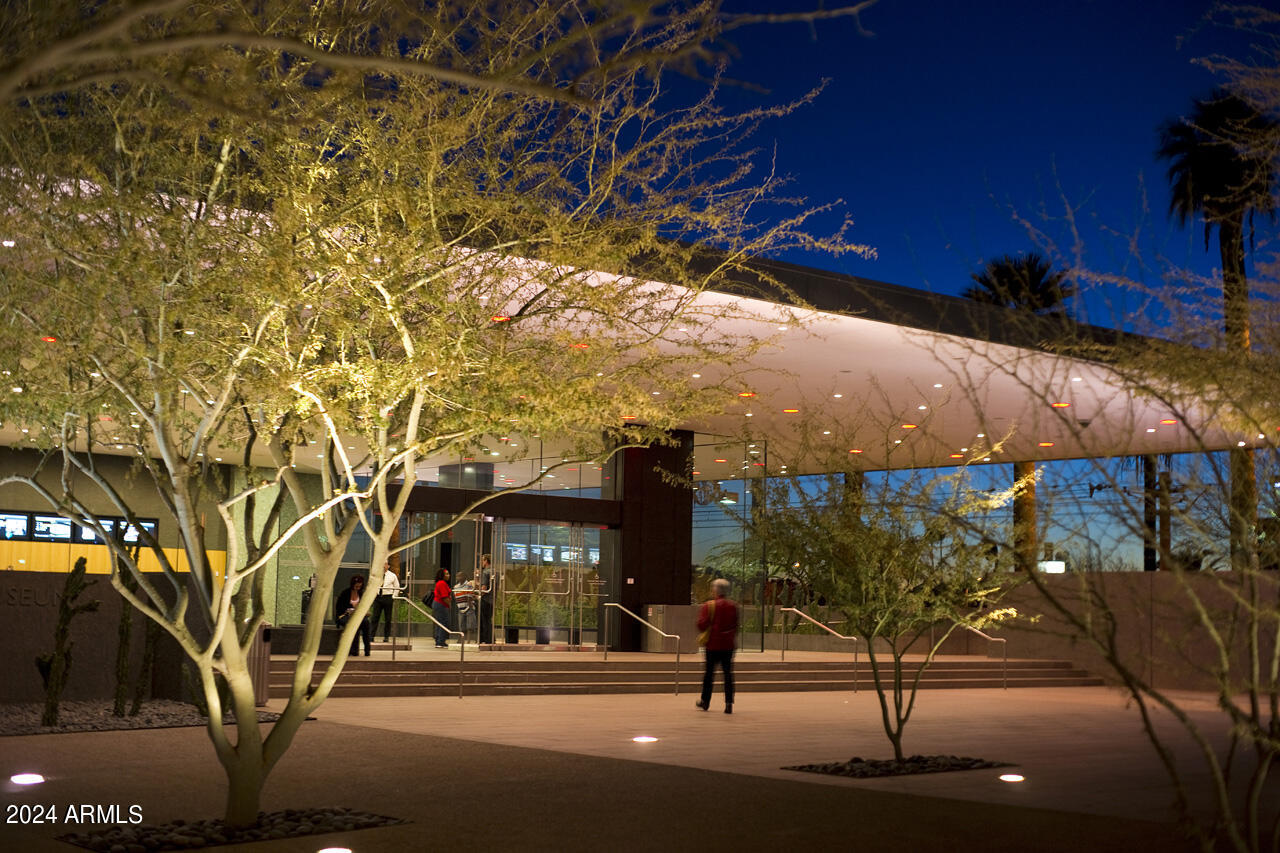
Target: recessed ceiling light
[(937, 385), (791, 411), (8, 244), (982, 435), (1239, 444), (922, 407), (837, 396), (826, 432), (655, 393), (1151, 429), (1075, 378), (748, 414), (1046, 444), (897, 441), (697, 376)]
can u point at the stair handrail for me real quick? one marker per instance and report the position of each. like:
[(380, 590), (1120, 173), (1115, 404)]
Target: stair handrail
[(462, 641), (607, 636), (1004, 643), (826, 628)]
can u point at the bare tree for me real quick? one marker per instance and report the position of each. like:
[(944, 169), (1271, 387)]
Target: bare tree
[(280, 288)]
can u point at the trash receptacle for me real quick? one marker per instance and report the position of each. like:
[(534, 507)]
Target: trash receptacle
[(259, 661)]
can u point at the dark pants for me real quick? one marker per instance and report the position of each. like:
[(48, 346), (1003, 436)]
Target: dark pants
[(365, 632), (486, 620), (724, 659), (383, 605), (441, 612)]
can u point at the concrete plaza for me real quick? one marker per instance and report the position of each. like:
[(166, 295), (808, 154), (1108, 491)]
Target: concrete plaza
[(563, 773)]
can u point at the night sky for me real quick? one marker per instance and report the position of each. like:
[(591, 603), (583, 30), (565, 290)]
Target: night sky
[(952, 115)]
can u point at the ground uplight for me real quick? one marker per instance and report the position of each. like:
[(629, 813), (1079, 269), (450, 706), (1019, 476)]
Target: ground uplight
[(1012, 777), (645, 739), (26, 778)]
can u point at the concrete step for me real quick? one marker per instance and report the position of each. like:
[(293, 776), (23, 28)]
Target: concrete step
[(687, 685)]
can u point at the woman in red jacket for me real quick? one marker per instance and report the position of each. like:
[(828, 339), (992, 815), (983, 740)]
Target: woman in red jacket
[(440, 607), (719, 618)]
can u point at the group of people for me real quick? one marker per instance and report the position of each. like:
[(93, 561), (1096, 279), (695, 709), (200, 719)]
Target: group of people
[(717, 619), (470, 596)]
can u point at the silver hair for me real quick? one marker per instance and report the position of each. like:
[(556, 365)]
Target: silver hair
[(720, 586)]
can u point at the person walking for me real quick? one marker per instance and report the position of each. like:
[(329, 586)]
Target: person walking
[(718, 622), (384, 604), (440, 597)]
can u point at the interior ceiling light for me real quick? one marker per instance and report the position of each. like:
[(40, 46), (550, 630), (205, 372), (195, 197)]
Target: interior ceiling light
[(909, 426), (749, 414), (1151, 429), (982, 435), (1076, 379), (826, 432), (837, 396), (1060, 405), (922, 407), (697, 376), (937, 385), (722, 460), (628, 417), (791, 411), (957, 455), (1239, 444), (1046, 444)]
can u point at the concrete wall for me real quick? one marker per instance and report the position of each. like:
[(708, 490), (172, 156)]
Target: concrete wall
[(1158, 632), (29, 612)]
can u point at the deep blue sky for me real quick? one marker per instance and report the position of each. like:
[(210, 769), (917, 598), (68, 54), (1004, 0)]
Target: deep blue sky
[(951, 113)]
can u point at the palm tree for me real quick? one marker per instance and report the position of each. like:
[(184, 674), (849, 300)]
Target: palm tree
[(1024, 282), (1220, 169)]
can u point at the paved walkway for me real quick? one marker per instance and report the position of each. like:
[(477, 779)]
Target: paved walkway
[(563, 773)]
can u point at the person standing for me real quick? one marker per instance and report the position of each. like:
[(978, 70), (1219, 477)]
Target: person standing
[(486, 599), (465, 594), (345, 607), (718, 618), (440, 597), (384, 604)]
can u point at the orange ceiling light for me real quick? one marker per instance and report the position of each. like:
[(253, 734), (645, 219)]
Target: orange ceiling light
[(1060, 405), (500, 318), (1168, 421), (909, 426), (745, 394), (49, 339), (791, 411), (628, 417), (1046, 444), (957, 455), (581, 346), (856, 450), (722, 460)]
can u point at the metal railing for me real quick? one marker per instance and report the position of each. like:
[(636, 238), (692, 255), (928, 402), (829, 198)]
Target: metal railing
[(804, 615), (609, 604), (1004, 645), (462, 642)]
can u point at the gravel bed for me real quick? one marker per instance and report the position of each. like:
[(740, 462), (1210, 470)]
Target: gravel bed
[(189, 835), (24, 718), (871, 768)]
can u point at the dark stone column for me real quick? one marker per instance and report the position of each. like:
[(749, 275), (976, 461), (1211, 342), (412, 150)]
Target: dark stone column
[(655, 541)]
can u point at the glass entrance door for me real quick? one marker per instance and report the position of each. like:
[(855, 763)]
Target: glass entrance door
[(549, 587)]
